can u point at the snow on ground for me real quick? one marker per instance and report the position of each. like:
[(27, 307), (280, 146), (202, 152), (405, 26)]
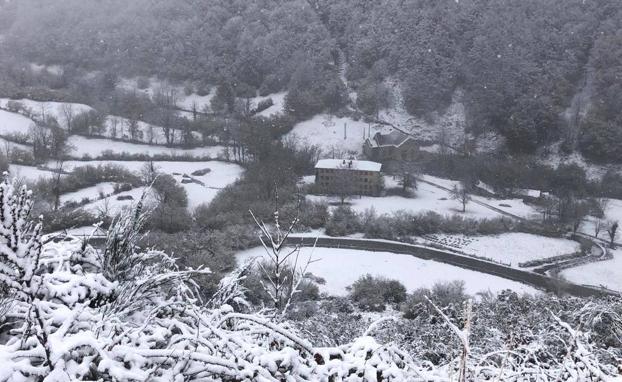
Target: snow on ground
[(114, 204), (278, 100), (28, 173), (453, 120), (12, 123), (202, 103), (96, 147), (555, 157), (118, 127), (327, 132), (7, 146), (90, 193), (341, 267), (607, 273), (430, 198), (613, 212), (49, 109), (509, 248), (79, 232), (200, 188), (51, 69), (513, 206)]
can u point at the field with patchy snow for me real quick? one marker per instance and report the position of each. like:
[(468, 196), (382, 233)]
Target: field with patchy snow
[(341, 267)]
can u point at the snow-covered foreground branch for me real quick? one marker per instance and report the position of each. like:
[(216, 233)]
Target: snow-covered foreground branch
[(71, 313)]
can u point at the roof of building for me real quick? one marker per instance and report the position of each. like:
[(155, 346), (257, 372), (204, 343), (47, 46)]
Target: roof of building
[(360, 165), (394, 138)]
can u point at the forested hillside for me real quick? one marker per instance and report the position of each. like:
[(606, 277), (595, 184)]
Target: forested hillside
[(520, 64)]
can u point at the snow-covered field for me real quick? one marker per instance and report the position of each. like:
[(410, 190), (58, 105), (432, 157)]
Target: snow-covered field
[(119, 127), (431, 198), (28, 173), (12, 123), (607, 273), (90, 193), (200, 188), (509, 248), (96, 147), (341, 267), (49, 109), (327, 132), (114, 204)]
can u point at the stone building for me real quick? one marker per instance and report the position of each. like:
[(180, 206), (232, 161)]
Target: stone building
[(347, 176), (394, 146)]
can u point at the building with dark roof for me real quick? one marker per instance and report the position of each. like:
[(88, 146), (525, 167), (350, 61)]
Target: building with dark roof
[(394, 146)]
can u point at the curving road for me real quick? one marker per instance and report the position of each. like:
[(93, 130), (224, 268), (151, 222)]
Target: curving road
[(536, 280)]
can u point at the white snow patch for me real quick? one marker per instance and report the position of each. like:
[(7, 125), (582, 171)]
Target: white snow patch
[(509, 248), (327, 132), (12, 123), (606, 273), (91, 193), (96, 147)]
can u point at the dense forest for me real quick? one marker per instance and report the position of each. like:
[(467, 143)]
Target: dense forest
[(519, 65)]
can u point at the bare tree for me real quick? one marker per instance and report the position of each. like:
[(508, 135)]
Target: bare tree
[(149, 172), (461, 194), (150, 133), (598, 226), (114, 125), (56, 190), (133, 128), (612, 231), (165, 99), (68, 114)]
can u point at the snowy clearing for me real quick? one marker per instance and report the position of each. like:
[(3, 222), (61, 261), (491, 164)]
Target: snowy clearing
[(7, 146), (29, 173), (201, 188), (431, 198), (96, 147), (90, 193), (508, 248), (327, 132), (39, 110), (413, 272), (606, 273), (114, 204), (278, 100), (12, 123)]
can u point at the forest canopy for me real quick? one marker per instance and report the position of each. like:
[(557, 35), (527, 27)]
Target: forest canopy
[(519, 64)]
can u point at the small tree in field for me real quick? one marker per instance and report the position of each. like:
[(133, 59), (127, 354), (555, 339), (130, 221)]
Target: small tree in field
[(461, 194), (282, 271), (612, 231)]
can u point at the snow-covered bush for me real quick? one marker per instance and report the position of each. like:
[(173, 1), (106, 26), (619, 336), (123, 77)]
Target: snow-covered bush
[(72, 313), (124, 314)]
